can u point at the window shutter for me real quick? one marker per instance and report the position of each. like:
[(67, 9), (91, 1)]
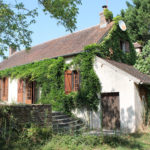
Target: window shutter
[(68, 81), (5, 89), (20, 91), (127, 47)]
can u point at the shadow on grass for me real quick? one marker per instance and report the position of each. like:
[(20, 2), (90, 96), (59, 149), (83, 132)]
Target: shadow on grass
[(130, 143)]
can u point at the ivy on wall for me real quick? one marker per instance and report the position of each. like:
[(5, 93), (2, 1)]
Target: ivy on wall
[(49, 73), (112, 41)]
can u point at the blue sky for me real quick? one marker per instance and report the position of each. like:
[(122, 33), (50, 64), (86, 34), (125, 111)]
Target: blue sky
[(46, 28)]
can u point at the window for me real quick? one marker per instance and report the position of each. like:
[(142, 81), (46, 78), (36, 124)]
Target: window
[(72, 81), (124, 45)]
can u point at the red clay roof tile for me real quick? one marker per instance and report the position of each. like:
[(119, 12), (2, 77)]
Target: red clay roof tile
[(69, 44)]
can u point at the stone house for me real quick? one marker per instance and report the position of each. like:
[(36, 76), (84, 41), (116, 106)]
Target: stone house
[(123, 93)]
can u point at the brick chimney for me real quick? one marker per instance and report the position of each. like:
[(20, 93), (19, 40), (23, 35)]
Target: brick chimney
[(11, 51), (103, 21)]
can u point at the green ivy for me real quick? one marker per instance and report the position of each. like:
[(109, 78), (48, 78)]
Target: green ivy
[(108, 14)]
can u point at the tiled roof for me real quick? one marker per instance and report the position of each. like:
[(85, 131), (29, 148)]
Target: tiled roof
[(137, 45), (69, 44), (130, 70)]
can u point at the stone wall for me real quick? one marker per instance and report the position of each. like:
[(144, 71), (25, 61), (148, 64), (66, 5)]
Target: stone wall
[(36, 114)]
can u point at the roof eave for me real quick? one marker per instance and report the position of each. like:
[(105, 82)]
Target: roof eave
[(136, 80)]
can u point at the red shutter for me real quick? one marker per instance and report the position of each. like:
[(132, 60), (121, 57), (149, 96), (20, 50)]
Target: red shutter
[(68, 81), (20, 91), (0, 90), (127, 47), (5, 89)]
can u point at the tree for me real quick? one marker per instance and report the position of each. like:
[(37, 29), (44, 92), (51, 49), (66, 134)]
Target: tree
[(137, 18), (14, 26), (143, 60)]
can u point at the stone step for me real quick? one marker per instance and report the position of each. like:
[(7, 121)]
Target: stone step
[(55, 121), (57, 113), (65, 124), (66, 129), (60, 117)]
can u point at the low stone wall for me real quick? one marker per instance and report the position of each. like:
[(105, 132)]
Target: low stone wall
[(31, 113)]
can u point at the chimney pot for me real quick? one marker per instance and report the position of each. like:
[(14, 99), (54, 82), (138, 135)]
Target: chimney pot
[(104, 7), (11, 51)]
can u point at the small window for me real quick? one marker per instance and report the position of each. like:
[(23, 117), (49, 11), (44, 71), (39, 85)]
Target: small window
[(124, 45), (72, 81)]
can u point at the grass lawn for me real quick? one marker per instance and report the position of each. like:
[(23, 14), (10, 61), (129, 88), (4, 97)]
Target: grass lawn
[(42, 139), (137, 141)]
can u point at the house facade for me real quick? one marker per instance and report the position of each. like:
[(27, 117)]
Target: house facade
[(122, 96)]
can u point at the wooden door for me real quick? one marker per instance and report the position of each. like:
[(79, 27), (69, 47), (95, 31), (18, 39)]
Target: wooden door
[(5, 89), (29, 92), (110, 111), (20, 91), (68, 81)]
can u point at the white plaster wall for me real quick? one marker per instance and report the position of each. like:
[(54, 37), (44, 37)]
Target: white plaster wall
[(68, 60), (12, 91)]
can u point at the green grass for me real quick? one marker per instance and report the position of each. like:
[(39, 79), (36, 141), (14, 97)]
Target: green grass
[(41, 139), (138, 141)]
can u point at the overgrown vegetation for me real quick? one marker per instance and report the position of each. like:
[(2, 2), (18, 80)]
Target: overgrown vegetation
[(137, 18), (14, 135), (143, 59), (31, 137), (108, 14)]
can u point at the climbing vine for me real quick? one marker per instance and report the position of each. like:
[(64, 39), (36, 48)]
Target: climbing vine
[(108, 14), (112, 41), (49, 73)]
